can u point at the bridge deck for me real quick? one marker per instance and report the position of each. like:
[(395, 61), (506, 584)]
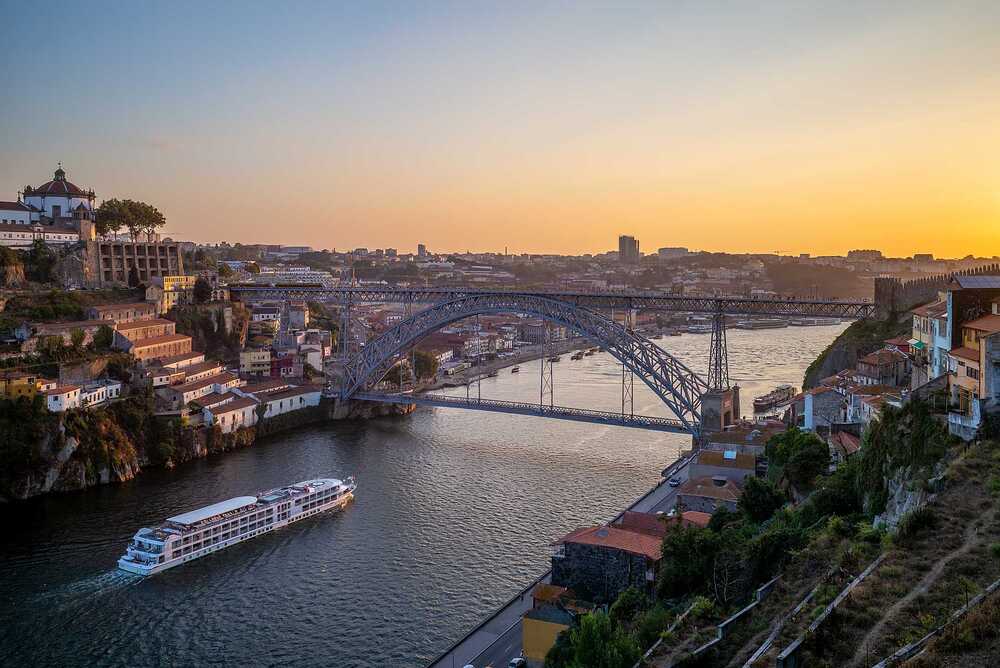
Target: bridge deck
[(522, 408), (631, 299)]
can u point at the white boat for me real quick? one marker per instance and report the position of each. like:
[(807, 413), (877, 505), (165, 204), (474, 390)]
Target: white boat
[(199, 532)]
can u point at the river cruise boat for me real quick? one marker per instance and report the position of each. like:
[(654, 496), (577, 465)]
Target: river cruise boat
[(776, 397), (516, 369), (199, 532)]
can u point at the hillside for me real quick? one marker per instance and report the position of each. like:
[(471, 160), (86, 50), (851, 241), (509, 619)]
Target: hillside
[(861, 338)]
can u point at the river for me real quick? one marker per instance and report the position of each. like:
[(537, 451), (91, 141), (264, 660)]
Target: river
[(454, 514)]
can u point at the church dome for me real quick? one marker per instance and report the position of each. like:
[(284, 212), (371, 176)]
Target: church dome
[(58, 186)]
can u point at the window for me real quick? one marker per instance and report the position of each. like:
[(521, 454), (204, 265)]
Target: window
[(972, 373)]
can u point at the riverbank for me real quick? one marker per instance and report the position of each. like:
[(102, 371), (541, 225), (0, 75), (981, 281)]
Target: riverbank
[(524, 355), (79, 449)]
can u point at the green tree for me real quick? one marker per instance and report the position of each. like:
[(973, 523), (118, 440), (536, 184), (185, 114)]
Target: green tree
[(202, 290), (802, 454), (686, 565), (225, 271), (41, 262), (76, 338), (760, 499), (600, 643), (103, 338), (136, 217), (426, 364)]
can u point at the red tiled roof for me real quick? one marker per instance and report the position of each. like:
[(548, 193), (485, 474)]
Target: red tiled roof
[(157, 340), (236, 404), (965, 353), (61, 389), (931, 309), (847, 441), (633, 542), (138, 324), (706, 487), (58, 186), (884, 356), (14, 206), (223, 377), (988, 323), (650, 523)]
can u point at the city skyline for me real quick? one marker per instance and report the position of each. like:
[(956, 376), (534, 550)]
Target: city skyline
[(793, 128)]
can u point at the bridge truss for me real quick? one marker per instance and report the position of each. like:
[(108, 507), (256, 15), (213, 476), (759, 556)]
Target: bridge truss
[(672, 381)]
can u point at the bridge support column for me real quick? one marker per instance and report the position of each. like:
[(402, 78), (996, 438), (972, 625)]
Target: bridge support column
[(719, 409), (718, 359)]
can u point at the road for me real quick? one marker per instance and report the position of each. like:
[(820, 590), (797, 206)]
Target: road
[(498, 640)]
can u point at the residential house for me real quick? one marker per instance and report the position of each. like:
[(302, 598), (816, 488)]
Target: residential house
[(95, 394), (255, 362), (168, 345), (231, 415), (122, 313), (136, 330), (603, 561), (728, 464), (843, 445), (62, 398), (169, 291), (708, 494), (975, 379), (884, 367)]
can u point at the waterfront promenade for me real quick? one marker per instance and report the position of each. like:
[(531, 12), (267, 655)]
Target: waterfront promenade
[(498, 638)]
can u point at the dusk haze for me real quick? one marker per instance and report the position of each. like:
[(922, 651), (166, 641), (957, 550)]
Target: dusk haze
[(500, 334), (544, 127)]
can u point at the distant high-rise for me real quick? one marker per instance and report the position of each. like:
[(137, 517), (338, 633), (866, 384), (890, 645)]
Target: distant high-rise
[(628, 249), (421, 250)]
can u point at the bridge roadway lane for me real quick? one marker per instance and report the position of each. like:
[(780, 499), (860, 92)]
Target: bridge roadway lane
[(498, 639)]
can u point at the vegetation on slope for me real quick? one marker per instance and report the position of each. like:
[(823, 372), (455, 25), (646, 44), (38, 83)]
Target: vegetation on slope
[(861, 338)]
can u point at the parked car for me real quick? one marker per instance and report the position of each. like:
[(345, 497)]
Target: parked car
[(517, 662), (674, 482)]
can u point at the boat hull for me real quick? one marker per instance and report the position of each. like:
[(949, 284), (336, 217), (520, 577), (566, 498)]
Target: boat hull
[(146, 569)]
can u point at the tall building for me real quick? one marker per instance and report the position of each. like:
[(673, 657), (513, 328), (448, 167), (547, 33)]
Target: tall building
[(628, 249), (421, 250)]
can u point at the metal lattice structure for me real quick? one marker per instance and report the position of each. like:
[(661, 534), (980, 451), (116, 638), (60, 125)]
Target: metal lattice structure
[(632, 300), (523, 408), (673, 382), (718, 360)]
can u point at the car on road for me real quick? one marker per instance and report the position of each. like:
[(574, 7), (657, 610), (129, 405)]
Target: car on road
[(517, 662), (674, 482)]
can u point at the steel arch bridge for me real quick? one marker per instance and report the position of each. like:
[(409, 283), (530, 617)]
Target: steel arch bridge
[(673, 382)]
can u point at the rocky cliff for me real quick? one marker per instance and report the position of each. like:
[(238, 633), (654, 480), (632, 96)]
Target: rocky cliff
[(42, 452), (856, 341)]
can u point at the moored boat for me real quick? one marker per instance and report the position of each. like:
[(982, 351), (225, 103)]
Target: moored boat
[(516, 369), (776, 397), (196, 533)]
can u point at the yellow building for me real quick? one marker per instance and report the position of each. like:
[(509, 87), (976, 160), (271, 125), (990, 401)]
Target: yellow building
[(540, 628), (255, 362), (16, 384), (170, 291)]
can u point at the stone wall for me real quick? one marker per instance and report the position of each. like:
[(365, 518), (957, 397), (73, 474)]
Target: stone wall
[(894, 296), (598, 574)]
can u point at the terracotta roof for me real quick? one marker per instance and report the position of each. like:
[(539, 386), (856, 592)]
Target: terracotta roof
[(696, 518), (236, 404), (932, 309), (290, 392), (706, 487), (174, 359), (633, 542), (716, 458), (58, 186), (143, 306), (158, 340), (649, 523), (61, 389), (898, 341), (214, 399), (869, 389), (847, 441), (988, 323), (139, 324), (223, 377), (965, 352), (14, 206), (884, 356), (266, 386)]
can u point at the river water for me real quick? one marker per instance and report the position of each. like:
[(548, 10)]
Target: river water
[(454, 514)]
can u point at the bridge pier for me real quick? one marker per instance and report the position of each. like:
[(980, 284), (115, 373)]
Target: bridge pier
[(720, 408)]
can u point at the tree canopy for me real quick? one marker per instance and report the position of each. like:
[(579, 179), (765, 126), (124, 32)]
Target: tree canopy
[(760, 499), (802, 454), (202, 290), (116, 214)]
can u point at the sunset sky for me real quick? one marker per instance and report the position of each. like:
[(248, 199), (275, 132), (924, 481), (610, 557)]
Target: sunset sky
[(541, 127)]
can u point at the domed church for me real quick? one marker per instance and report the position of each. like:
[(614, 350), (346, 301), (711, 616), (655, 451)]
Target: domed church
[(59, 199)]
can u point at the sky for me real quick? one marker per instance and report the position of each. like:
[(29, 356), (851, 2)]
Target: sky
[(533, 126)]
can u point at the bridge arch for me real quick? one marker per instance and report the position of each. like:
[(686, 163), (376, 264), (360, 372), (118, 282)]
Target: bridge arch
[(672, 381)]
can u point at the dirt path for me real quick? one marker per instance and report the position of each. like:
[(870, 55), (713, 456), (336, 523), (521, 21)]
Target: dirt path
[(971, 538)]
